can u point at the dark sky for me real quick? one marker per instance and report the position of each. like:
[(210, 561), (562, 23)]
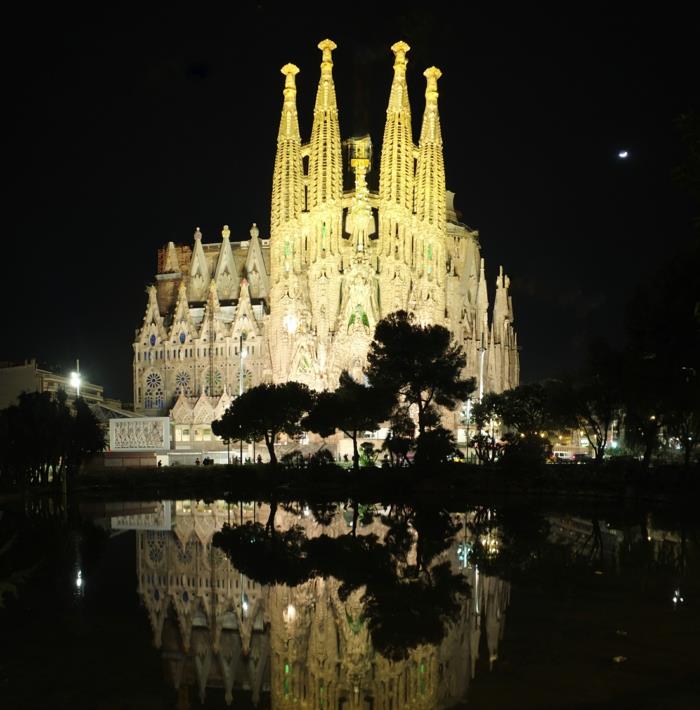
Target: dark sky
[(129, 130)]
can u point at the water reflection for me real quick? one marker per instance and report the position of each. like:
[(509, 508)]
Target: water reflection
[(355, 576)]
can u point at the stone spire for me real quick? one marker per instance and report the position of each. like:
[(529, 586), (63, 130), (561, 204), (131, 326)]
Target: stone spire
[(501, 306), (287, 185), (430, 168), (396, 166), (325, 158)]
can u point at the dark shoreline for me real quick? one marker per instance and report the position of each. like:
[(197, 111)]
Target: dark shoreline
[(559, 484), (575, 482)]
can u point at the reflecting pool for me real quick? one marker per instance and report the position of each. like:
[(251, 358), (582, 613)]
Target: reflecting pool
[(191, 603)]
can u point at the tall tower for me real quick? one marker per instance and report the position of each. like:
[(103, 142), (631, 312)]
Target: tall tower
[(429, 247), (323, 232), (285, 229), (396, 176)]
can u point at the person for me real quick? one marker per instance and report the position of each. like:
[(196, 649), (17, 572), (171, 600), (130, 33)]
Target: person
[(259, 458), (160, 463), (197, 461)]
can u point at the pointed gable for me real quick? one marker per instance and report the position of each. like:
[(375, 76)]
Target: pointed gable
[(203, 412), (200, 275), (244, 320), (223, 404), (182, 327), (172, 263), (255, 269), (153, 329), (181, 413), (211, 328), (226, 273)]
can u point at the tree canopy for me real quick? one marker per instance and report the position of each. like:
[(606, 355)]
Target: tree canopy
[(352, 407), (44, 439), (419, 364), (265, 411)]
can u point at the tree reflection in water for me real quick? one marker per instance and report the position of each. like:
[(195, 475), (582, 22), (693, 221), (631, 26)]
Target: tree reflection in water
[(320, 605), (406, 603)]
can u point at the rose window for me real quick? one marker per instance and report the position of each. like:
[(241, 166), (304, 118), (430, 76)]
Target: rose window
[(154, 391), (213, 383), (182, 383)]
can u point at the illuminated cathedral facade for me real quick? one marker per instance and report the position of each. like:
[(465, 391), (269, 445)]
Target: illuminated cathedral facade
[(303, 303)]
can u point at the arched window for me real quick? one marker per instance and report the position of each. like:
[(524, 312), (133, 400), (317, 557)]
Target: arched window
[(182, 383), (154, 391), (212, 384)]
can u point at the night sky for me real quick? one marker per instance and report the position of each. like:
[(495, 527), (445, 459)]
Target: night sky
[(129, 130)]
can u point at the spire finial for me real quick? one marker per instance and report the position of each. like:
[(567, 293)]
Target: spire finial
[(290, 87), (327, 46), (254, 231), (399, 49), (197, 233), (226, 232), (432, 74)]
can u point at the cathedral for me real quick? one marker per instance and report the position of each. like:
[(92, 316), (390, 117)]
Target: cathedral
[(302, 304)]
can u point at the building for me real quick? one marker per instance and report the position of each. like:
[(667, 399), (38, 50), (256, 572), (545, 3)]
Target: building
[(16, 378), (303, 303)]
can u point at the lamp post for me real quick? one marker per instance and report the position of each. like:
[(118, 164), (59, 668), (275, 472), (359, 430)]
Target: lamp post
[(468, 416), (75, 379), (243, 353)]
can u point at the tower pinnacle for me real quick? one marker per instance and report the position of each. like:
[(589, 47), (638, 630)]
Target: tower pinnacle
[(325, 160), (327, 46), (430, 167), (396, 165), (287, 185)]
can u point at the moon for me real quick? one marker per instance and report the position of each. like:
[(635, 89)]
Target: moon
[(623, 154)]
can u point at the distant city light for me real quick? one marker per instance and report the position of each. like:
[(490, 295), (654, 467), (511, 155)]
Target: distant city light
[(623, 154)]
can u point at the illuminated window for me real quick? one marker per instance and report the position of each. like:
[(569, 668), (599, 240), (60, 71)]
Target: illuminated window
[(182, 383), (154, 391)]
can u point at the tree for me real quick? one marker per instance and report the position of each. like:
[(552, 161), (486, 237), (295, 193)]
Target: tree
[(484, 442), (435, 447), (41, 438), (663, 354), (682, 404), (594, 399), (419, 364), (86, 437), (265, 411), (353, 408)]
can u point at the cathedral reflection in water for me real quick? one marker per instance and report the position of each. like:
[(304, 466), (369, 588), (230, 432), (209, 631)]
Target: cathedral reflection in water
[(221, 633)]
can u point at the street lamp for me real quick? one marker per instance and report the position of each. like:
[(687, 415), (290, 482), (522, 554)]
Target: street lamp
[(75, 379), (244, 354)]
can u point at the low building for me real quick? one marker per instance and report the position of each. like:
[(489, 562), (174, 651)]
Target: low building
[(29, 377)]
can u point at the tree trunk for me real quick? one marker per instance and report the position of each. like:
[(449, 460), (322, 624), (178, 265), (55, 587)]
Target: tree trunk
[(355, 453), (270, 525), (270, 443)]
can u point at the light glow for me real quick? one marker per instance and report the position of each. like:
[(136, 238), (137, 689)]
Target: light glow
[(290, 323)]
